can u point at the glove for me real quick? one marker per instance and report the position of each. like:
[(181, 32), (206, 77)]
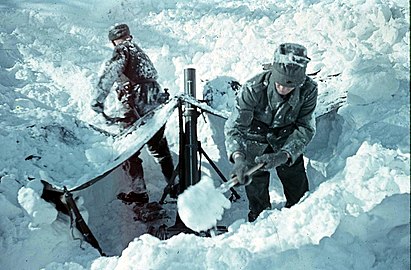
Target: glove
[(239, 170), (97, 107), (111, 120), (272, 160), (163, 97)]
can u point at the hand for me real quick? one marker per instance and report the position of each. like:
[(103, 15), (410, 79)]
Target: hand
[(273, 160), (163, 97), (111, 120), (97, 107), (239, 170)]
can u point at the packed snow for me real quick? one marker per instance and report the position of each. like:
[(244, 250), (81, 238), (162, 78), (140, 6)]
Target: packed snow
[(201, 205), (357, 212)]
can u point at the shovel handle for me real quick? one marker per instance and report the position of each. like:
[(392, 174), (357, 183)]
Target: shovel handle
[(234, 181)]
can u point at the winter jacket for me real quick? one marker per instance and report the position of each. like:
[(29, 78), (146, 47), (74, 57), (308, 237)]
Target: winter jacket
[(264, 118), (130, 68)]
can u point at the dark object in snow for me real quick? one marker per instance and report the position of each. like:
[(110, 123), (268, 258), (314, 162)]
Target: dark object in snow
[(30, 157), (55, 132), (144, 211), (133, 197), (165, 232), (149, 212)]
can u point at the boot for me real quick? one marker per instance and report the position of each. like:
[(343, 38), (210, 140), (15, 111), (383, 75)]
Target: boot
[(133, 197), (174, 191), (252, 216)]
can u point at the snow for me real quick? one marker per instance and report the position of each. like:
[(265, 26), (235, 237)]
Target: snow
[(202, 205), (356, 215)]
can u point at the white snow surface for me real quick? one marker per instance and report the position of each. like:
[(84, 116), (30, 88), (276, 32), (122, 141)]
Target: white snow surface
[(201, 205), (357, 212)]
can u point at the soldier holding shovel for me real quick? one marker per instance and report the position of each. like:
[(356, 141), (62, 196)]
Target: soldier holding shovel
[(272, 124)]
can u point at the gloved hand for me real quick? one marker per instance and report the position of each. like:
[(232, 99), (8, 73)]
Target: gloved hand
[(272, 160), (97, 107), (163, 97), (112, 120), (239, 170)]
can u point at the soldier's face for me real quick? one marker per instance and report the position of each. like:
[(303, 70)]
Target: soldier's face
[(283, 90)]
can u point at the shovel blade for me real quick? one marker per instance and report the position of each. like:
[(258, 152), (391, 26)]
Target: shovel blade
[(200, 206)]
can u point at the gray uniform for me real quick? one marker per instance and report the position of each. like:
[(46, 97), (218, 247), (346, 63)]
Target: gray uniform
[(266, 122)]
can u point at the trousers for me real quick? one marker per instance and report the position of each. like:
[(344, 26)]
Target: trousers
[(293, 178), (159, 149)]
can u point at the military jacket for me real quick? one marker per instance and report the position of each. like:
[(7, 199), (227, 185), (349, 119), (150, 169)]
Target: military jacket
[(263, 118), (128, 63)]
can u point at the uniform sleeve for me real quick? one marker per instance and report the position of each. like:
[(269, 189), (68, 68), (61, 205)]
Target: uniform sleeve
[(305, 127), (238, 125), (112, 71)]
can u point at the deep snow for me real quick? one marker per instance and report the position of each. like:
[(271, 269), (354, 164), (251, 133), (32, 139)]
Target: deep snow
[(357, 213)]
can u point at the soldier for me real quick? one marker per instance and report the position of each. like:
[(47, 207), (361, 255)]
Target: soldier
[(139, 92), (272, 124)]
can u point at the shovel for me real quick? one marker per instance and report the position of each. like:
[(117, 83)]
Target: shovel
[(200, 206)]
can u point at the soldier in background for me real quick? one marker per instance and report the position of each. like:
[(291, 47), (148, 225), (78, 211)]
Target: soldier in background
[(139, 92)]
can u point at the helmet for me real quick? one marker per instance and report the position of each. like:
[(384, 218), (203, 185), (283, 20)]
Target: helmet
[(289, 65), (118, 31)]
